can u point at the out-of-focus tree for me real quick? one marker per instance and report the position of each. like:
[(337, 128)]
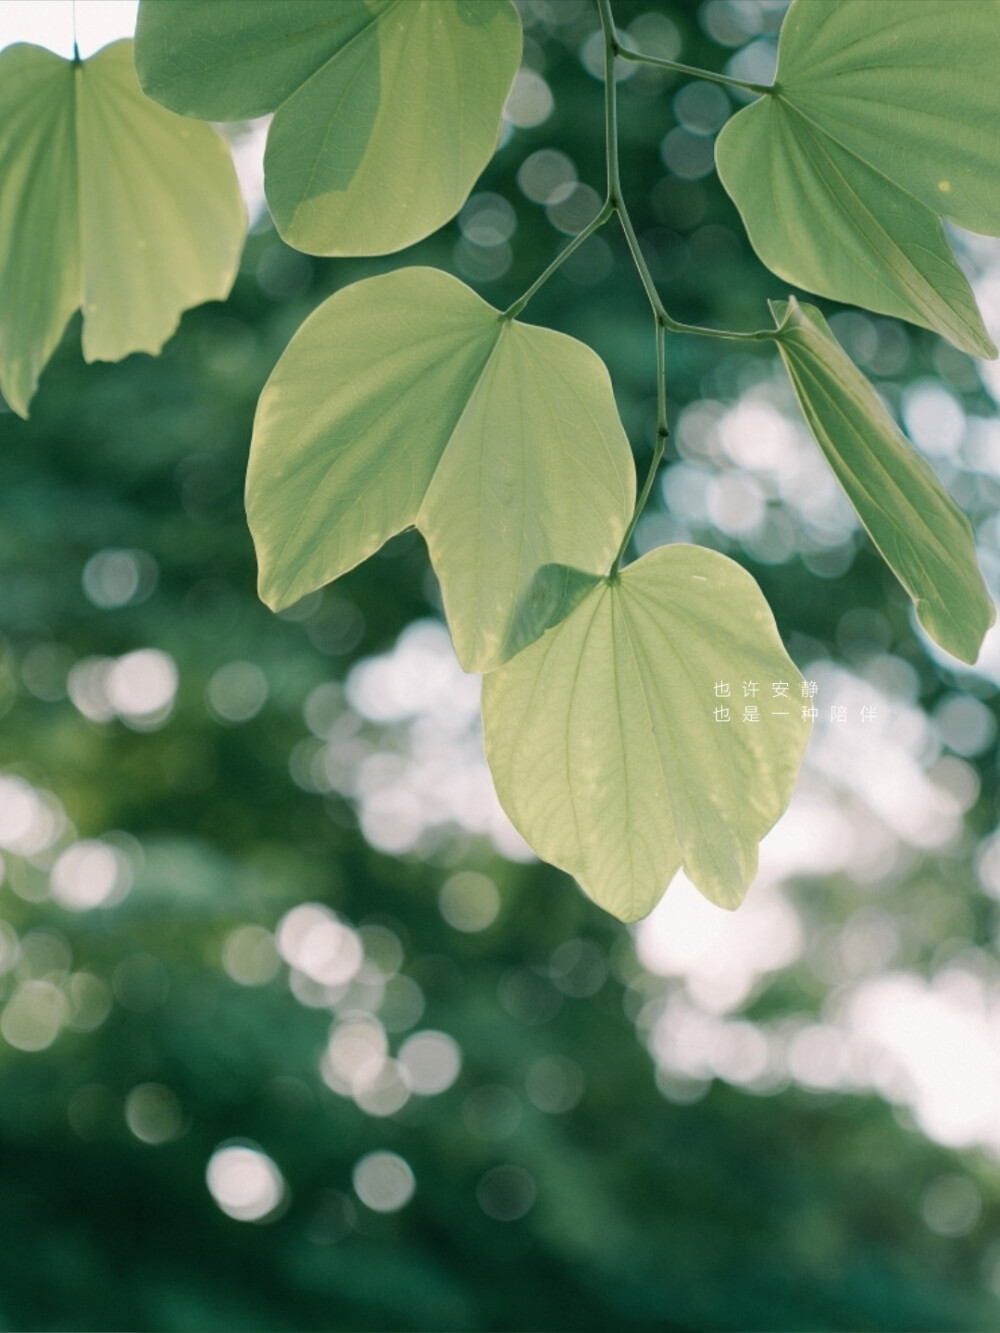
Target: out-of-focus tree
[(295, 1034)]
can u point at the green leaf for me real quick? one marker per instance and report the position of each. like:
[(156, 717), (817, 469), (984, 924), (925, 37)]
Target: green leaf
[(386, 112), (106, 202), (879, 122), (923, 537), (406, 399), (604, 744)]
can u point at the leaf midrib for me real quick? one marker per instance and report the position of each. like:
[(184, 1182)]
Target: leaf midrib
[(823, 130)]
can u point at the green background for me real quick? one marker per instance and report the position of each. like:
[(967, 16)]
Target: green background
[(701, 1206)]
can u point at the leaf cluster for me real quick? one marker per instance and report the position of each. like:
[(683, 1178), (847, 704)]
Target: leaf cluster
[(407, 401)]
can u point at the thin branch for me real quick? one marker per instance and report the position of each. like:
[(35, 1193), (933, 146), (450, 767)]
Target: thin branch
[(662, 434), (607, 208), (640, 57), (615, 203), (662, 314), (665, 322)]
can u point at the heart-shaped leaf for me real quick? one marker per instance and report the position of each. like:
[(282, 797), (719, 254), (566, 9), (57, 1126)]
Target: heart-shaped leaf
[(108, 202), (386, 111), (923, 537), (874, 130), (406, 399), (660, 724)]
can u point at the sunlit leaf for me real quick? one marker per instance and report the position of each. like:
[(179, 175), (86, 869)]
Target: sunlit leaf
[(922, 535), (106, 202), (879, 124), (386, 112), (405, 399), (606, 747)]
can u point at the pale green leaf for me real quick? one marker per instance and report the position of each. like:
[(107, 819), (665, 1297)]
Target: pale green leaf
[(107, 202), (161, 215), (40, 262), (604, 742), (880, 121), (924, 538), (407, 400), (387, 111)]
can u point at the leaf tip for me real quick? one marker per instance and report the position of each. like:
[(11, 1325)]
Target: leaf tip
[(727, 894), (630, 915), (274, 597), (629, 903), (18, 397), (962, 640)]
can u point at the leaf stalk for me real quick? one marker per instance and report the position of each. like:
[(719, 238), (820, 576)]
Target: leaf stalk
[(664, 321), (606, 210), (614, 203), (692, 71), (662, 435)]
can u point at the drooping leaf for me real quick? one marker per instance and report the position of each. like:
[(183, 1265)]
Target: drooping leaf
[(386, 111), (924, 538), (108, 202), (606, 746), (406, 399), (879, 124)]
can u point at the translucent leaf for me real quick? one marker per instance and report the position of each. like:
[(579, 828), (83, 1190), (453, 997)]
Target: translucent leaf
[(107, 202), (924, 538), (606, 747), (879, 124), (405, 399), (386, 112)]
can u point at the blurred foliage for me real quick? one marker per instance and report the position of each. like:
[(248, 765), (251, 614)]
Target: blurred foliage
[(734, 1211)]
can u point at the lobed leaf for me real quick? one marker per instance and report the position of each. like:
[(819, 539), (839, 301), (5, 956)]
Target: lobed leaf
[(877, 126), (923, 537), (107, 202), (386, 111), (604, 745), (406, 400)]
